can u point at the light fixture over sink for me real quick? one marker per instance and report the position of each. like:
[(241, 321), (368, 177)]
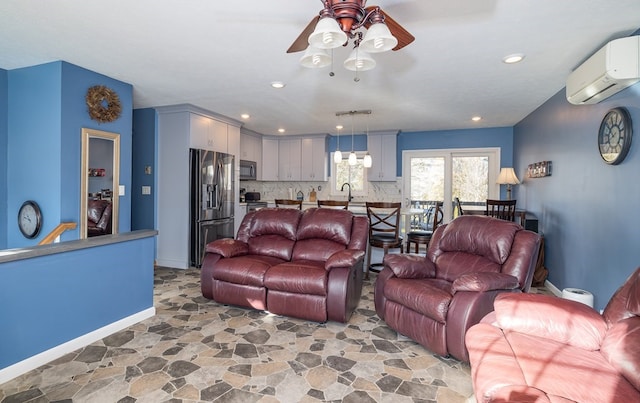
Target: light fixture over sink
[(341, 21)]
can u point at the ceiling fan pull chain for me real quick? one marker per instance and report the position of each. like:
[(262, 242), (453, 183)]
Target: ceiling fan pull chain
[(331, 73)]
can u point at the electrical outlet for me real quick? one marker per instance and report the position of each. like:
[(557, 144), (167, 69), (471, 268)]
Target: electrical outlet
[(146, 190)]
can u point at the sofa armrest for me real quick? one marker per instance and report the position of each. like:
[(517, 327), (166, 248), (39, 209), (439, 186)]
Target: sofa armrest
[(344, 258), (484, 281), (550, 317), (227, 247), (410, 266)]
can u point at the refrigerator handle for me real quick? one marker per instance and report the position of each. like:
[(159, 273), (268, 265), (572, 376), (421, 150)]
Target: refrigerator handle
[(221, 179)]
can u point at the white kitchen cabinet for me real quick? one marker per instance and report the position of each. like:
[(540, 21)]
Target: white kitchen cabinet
[(289, 159), (250, 147), (207, 133), (382, 147), (269, 159), (314, 159)]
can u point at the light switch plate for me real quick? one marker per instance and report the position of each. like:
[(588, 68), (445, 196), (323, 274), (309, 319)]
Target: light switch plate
[(121, 190), (146, 190)]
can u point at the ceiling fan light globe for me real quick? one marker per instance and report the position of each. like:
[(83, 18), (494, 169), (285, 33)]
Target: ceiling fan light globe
[(315, 58), (359, 60), (378, 39), (327, 34)]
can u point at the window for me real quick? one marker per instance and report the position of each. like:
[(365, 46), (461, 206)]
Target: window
[(442, 175), (356, 175)]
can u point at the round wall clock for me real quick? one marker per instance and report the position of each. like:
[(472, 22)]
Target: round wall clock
[(614, 136), (30, 219)]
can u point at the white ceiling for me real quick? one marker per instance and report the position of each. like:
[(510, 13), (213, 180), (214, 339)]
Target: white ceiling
[(223, 55)]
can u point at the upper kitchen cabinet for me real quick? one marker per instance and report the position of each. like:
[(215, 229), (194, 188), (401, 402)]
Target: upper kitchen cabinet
[(208, 134), (250, 146), (289, 159), (382, 147), (269, 171), (314, 159)]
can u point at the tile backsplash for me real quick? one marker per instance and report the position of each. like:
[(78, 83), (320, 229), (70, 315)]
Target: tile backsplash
[(378, 191)]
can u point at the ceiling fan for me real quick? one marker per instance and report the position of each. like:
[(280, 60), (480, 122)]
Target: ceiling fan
[(339, 22)]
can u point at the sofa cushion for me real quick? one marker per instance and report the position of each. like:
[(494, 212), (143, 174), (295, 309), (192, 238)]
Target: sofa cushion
[(570, 372), (298, 277), (481, 281), (410, 266), (553, 318), (244, 270), (621, 347), (271, 245), (452, 265), (479, 235), (318, 250), (322, 223), (429, 297)]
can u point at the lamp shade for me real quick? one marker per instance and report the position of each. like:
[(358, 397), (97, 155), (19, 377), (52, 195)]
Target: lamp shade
[(359, 60), (353, 159), (315, 58), (378, 39), (368, 161), (327, 34), (337, 157), (507, 176)]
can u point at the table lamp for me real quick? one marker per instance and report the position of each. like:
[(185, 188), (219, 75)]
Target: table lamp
[(507, 177)]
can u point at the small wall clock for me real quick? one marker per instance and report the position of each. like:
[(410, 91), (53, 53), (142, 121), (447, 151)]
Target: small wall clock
[(614, 136), (30, 219)]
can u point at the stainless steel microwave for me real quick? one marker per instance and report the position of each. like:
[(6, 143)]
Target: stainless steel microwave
[(248, 170)]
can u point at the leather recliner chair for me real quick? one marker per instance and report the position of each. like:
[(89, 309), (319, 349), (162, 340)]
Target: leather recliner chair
[(540, 348), (435, 299), (98, 217)]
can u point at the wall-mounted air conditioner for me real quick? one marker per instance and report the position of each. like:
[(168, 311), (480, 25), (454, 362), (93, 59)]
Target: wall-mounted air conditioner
[(610, 70)]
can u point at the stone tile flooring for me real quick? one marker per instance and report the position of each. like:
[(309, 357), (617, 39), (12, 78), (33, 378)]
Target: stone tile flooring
[(196, 350)]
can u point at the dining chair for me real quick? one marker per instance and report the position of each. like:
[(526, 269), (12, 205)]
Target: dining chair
[(433, 218), (502, 209), (458, 207), (285, 203), (334, 203), (384, 229)]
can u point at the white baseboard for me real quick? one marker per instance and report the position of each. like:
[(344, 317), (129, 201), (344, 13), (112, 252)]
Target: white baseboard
[(174, 264), (31, 363), (554, 290)]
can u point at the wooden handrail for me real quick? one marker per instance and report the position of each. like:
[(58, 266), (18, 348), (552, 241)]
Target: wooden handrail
[(62, 227)]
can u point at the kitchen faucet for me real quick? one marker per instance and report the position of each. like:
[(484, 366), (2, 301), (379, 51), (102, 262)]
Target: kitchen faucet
[(342, 190)]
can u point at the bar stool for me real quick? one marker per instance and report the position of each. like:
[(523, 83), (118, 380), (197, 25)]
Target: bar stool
[(434, 217), (334, 204), (384, 229)]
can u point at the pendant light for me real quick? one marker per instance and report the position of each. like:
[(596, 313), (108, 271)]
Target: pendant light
[(368, 161), (353, 159), (337, 156)]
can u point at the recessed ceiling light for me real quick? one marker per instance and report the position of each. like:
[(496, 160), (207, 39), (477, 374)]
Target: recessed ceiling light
[(514, 58), (280, 130), (476, 118), (277, 84), (245, 116)]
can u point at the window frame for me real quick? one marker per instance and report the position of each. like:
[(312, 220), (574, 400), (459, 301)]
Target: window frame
[(334, 191), (493, 154)]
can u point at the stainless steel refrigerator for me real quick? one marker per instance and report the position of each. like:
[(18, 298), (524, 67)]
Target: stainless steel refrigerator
[(212, 200)]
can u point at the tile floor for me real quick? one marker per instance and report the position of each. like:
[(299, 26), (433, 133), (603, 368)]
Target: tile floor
[(197, 350)]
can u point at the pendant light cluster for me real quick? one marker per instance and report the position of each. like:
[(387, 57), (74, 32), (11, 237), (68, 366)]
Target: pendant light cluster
[(353, 159), (330, 34)]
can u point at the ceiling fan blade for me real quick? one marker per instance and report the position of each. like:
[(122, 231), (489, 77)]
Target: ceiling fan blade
[(402, 35), (302, 41)]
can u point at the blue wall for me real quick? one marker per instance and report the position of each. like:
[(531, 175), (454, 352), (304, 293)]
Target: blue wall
[(144, 154), (3, 156), (587, 209), (43, 161), (47, 301)]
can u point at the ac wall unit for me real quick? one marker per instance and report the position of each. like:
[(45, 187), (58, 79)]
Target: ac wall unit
[(608, 71)]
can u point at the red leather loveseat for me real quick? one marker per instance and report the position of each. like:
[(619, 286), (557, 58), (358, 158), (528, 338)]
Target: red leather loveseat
[(304, 264), (540, 348), (435, 299)]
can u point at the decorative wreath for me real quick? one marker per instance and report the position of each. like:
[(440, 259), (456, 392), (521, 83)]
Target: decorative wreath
[(104, 104)]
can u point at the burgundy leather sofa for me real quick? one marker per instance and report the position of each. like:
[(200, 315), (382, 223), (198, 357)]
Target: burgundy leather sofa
[(435, 299), (304, 264), (540, 348)]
